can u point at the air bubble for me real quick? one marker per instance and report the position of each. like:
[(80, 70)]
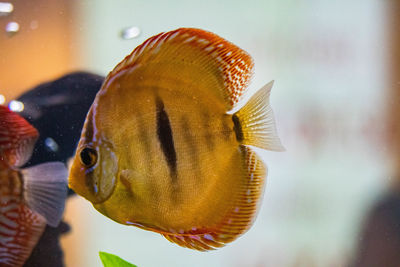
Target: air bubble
[(130, 33), (2, 99), (34, 24), (12, 28), (51, 144), (6, 9), (16, 106)]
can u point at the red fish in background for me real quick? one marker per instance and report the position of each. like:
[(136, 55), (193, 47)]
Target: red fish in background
[(30, 198)]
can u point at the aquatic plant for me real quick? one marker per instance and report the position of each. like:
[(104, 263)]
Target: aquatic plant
[(111, 260)]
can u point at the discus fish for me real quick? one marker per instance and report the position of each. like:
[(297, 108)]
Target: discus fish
[(161, 151), (30, 197)]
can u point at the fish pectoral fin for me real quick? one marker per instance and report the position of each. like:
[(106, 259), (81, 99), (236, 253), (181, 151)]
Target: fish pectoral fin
[(255, 123), (20, 236), (239, 217), (45, 190)]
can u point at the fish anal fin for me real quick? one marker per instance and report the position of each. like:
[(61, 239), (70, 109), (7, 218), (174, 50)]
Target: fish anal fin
[(19, 238), (255, 123), (17, 137), (239, 217), (201, 242), (195, 50)]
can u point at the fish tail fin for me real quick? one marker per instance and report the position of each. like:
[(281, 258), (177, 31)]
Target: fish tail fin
[(255, 124), (45, 190)]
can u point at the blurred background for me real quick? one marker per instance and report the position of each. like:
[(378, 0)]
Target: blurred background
[(336, 98)]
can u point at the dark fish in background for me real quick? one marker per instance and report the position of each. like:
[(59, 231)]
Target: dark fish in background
[(58, 109), (31, 197), (161, 150)]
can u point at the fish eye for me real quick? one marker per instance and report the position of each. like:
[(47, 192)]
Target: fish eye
[(88, 156)]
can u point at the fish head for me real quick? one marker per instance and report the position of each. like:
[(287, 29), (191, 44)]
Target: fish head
[(94, 170)]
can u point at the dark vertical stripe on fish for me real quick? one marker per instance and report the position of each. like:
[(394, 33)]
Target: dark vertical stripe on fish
[(144, 138), (164, 133), (88, 134), (207, 131), (225, 129), (237, 128), (90, 182), (145, 142)]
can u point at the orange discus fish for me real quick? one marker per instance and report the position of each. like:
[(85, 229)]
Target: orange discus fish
[(160, 150), (30, 198)]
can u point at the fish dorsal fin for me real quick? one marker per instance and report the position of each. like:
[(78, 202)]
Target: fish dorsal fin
[(17, 137), (224, 63), (45, 190), (241, 215), (20, 232)]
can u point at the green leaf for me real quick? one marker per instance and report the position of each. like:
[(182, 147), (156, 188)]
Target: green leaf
[(110, 260)]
